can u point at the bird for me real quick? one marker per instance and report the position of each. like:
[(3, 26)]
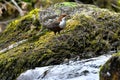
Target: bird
[(58, 25)]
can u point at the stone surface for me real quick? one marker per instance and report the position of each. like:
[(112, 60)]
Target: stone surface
[(111, 69), (90, 32)]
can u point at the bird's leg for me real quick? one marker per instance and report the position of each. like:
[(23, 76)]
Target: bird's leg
[(59, 32), (55, 33)]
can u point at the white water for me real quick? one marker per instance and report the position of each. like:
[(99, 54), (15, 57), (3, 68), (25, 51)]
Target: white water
[(87, 69)]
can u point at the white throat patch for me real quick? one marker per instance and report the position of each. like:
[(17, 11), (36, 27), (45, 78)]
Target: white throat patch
[(62, 23)]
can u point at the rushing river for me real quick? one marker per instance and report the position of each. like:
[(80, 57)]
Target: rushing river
[(87, 69)]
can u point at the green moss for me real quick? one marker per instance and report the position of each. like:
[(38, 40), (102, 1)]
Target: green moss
[(112, 66), (70, 4), (91, 30), (19, 29)]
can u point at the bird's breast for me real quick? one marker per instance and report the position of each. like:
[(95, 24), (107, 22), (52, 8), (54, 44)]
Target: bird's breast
[(62, 24)]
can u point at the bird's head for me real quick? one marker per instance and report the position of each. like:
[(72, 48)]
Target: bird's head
[(63, 16)]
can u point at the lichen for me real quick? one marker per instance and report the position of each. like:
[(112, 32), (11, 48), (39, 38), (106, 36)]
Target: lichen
[(89, 32)]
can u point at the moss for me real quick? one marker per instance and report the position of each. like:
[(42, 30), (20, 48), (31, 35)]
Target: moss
[(113, 67), (19, 29), (68, 4), (90, 32)]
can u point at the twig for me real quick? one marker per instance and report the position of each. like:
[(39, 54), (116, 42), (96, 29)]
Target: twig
[(116, 6), (77, 1), (18, 8), (8, 21)]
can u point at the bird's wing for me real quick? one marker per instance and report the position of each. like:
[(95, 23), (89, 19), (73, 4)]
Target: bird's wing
[(53, 25)]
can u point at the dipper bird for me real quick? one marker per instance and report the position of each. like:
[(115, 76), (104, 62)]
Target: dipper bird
[(58, 25)]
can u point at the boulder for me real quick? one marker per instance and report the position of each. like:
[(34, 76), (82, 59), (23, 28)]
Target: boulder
[(111, 69), (90, 31)]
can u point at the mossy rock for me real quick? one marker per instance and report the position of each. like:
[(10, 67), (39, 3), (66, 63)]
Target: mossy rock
[(111, 69), (90, 32), (20, 29)]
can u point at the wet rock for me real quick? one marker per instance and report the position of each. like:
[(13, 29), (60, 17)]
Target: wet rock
[(111, 69), (85, 72), (90, 32)]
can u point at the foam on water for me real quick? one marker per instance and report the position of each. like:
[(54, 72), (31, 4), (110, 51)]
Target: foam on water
[(87, 69)]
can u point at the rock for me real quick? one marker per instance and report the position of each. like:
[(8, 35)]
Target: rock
[(111, 69), (90, 32)]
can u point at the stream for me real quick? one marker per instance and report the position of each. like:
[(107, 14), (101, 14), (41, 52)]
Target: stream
[(87, 69)]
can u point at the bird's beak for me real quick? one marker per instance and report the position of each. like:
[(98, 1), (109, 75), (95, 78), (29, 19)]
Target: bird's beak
[(68, 17)]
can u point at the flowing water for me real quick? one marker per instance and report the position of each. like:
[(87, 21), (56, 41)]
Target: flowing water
[(87, 69)]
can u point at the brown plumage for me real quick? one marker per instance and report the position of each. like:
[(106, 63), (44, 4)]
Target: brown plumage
[(58, 25), (60, 18)]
